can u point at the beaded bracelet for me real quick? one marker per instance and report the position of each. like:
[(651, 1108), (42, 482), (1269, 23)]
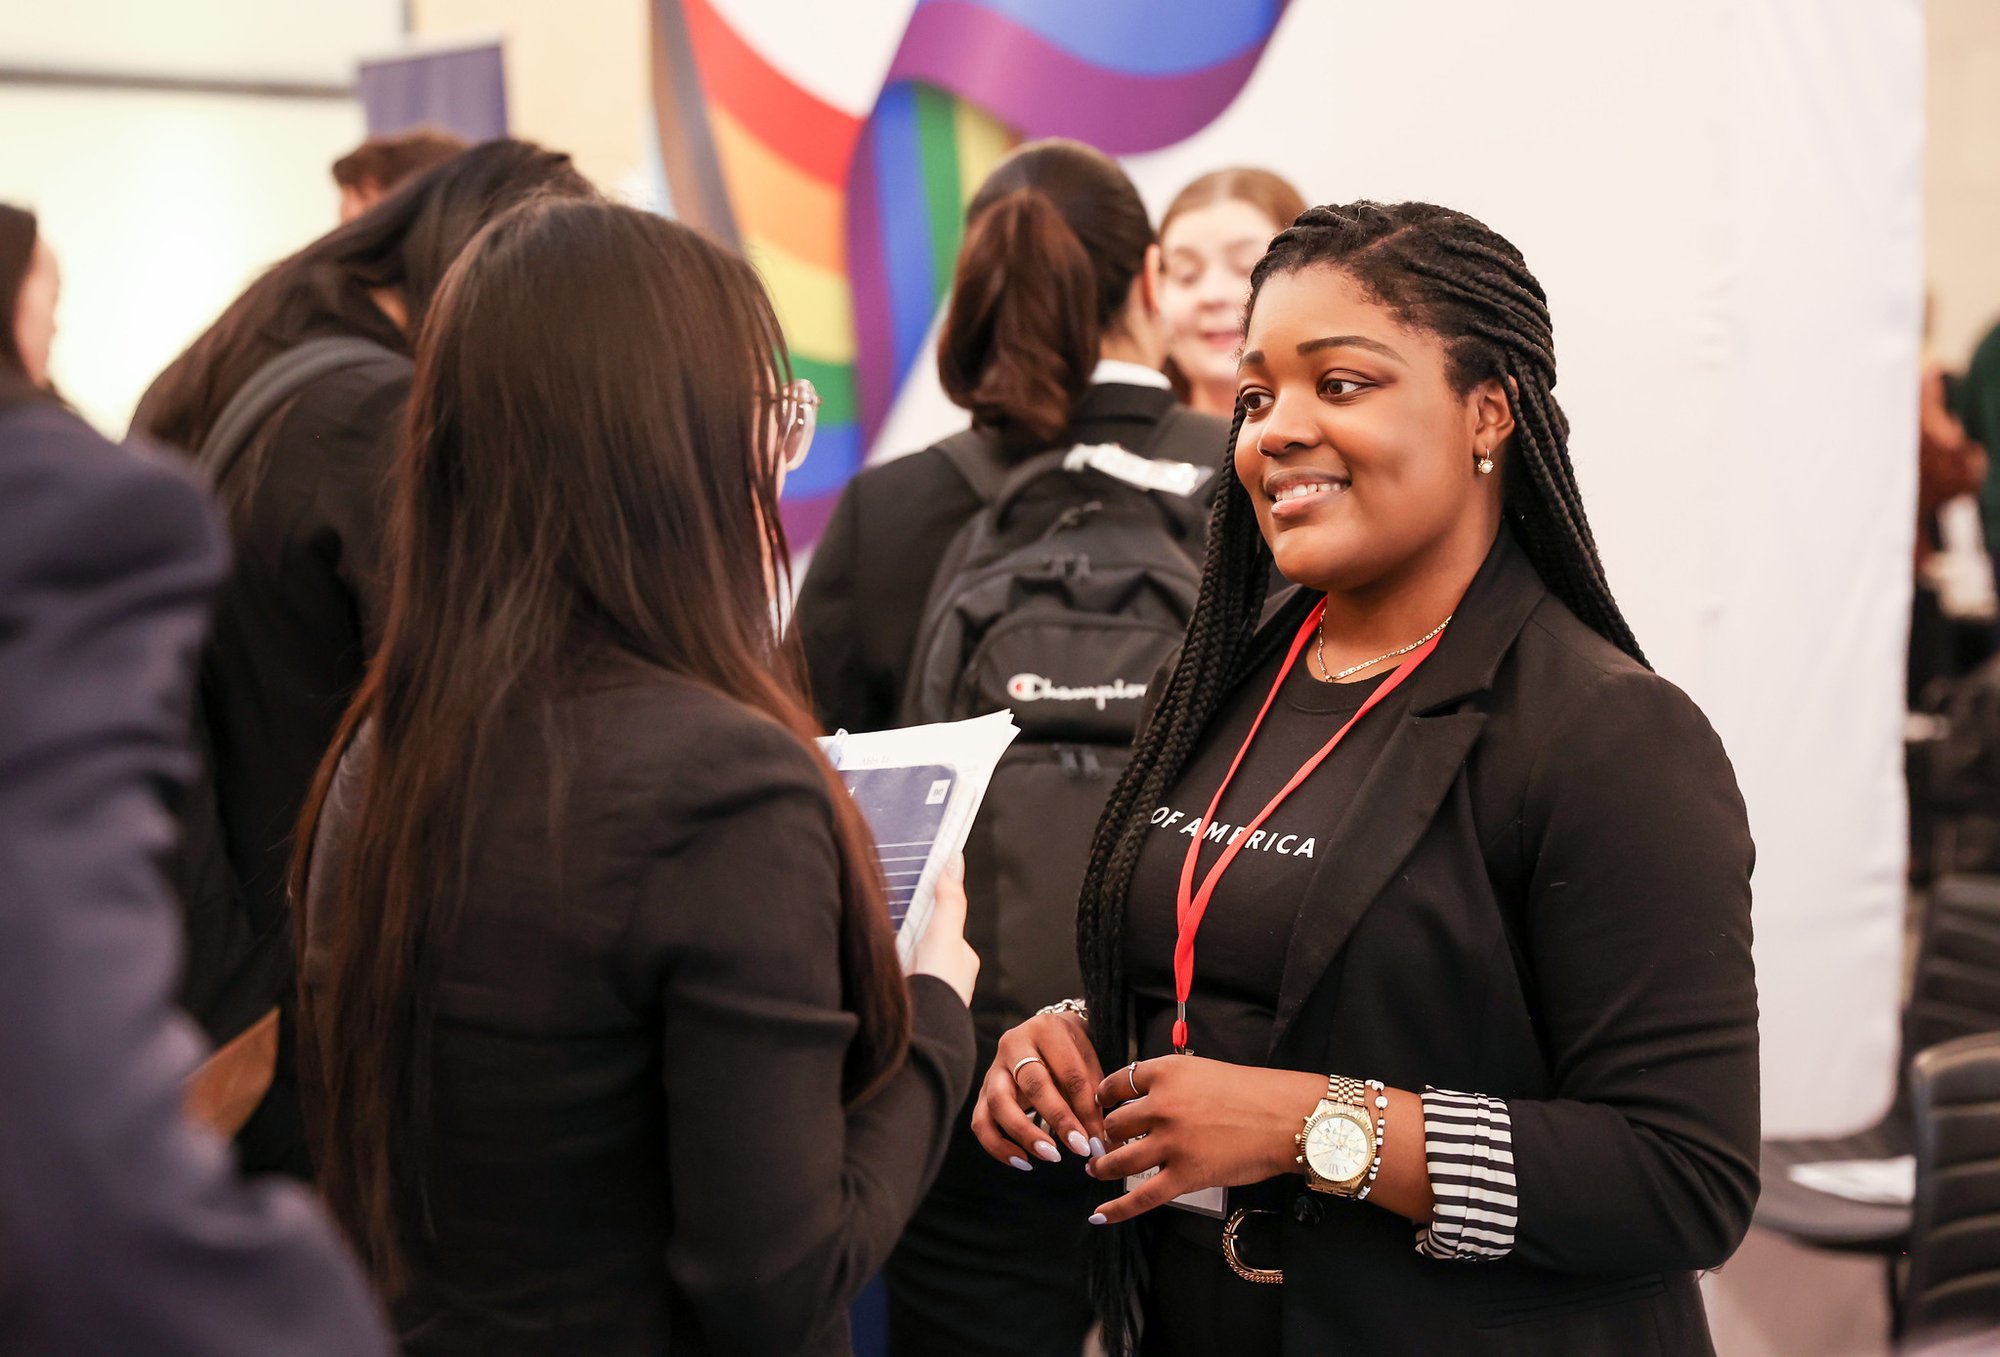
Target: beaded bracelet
[(1381, 1136)]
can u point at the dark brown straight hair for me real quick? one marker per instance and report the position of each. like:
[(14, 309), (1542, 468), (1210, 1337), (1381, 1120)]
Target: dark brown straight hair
[(382, 163), (1054, 239), (588, 484), (402, 245)]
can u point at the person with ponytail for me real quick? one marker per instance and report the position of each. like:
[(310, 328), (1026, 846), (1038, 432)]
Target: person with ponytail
[(605, 1047), (1052, 339), (1419, 1010)]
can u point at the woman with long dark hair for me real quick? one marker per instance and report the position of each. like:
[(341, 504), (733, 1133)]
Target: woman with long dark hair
[(303, 482), (604, 1040), (1051, 340), (1416, 936)]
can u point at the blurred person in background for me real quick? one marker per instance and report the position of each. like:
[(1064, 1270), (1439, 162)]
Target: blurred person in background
[(1213, 231), (30, 282), (293, 402), (1952, 608), (605, 1041), (123, 1229), (1975, 399), (378, 166), (1052, 340)]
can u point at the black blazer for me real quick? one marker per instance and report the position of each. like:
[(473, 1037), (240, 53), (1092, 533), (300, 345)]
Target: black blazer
[(863, 595), (123, 1229), (1543, 895), (639, 1145)]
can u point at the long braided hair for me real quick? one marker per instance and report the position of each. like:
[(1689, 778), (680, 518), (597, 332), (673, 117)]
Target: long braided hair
[(1439, 271)]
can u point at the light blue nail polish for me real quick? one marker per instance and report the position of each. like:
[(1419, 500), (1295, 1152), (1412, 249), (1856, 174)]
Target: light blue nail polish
[(1048, 1151), (1096, 1148), (1079, 1144), (1020, 1163), (1097, 1218)]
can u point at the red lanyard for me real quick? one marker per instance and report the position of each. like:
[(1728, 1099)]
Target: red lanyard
[(1193, 905)]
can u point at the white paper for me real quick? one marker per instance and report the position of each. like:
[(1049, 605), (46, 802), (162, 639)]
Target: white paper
[(1880, 1182), (970, 750)]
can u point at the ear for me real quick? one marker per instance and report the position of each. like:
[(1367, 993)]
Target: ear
[(1149, 277), (1491, 415)]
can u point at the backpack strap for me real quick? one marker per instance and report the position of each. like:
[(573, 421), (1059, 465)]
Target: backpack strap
[(1184, 436), (975, 455), (271, 386)]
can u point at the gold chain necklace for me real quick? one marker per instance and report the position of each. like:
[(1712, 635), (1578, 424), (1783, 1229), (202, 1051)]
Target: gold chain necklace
[(1319, 651)]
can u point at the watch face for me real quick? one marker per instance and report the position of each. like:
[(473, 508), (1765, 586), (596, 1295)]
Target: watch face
[(1338, 1149)]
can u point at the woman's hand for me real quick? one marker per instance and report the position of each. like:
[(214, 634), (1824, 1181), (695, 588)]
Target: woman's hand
[(1046, 1067), (943, 951), (1202, 1123)]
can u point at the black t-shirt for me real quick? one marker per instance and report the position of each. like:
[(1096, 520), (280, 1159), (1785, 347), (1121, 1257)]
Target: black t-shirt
[(1239, 958)]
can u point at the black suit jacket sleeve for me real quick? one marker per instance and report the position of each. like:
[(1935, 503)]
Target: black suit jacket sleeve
[(123, 1229), (785, 1202), (1637, 935)]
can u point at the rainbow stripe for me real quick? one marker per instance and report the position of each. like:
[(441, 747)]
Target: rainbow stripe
[(856, 223)]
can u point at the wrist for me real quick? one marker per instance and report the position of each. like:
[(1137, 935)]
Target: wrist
[(1300, 1097)]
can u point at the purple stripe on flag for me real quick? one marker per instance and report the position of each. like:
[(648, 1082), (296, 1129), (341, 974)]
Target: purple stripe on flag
[(868, 274), (1026, 81)]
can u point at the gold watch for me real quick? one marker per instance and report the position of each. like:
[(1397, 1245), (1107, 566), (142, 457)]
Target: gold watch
[(1341, 1145)]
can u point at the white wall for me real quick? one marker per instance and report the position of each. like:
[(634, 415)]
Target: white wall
[(312, 40), (161, 206), (1962, 173)]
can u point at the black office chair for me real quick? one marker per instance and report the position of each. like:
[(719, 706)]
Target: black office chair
[(1954, 992), (1954, 1273)]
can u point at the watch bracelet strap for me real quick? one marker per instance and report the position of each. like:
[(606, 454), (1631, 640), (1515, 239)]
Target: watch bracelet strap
[(1371, 1098)]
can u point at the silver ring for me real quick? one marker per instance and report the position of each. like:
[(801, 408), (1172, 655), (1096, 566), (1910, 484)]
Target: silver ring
[(1132, 1081), (1015, 1073)]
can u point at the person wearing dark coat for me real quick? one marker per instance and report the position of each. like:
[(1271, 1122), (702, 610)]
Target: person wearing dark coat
[(302, 608), (1420, 1013), (1053, 340), (605, 1045), (123, 1229)]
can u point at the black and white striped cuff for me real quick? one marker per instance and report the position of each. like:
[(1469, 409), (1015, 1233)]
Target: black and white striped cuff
[(1469, 1147)]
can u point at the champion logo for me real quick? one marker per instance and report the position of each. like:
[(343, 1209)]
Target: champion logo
[(1036, 688)]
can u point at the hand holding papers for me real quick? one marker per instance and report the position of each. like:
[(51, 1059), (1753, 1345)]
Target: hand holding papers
[(919, 789)]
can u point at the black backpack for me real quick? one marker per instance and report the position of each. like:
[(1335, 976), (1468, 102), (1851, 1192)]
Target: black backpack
[(1057, 601)]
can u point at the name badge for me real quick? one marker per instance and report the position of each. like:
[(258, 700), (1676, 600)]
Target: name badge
[(1203, 1201)]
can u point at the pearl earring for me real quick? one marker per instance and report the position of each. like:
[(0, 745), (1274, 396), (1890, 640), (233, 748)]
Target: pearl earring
[(1485, 466)]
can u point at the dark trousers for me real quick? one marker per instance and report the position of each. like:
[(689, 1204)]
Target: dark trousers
[(992, 1264), (1196, 1305)]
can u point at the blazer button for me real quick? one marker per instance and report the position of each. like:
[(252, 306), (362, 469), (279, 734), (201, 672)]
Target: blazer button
[(1307, 1210)]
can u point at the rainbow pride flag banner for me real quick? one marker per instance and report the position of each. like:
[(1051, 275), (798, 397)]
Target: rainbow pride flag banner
[(855, 222)]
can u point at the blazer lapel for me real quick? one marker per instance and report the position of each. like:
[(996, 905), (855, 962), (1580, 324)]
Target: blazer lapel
[(1402, 793), (1382, 825)]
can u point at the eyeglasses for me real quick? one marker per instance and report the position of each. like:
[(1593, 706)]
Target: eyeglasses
[(798, 416)]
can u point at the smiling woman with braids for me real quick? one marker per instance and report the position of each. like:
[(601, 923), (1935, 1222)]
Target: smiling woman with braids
[(1416, 937)]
